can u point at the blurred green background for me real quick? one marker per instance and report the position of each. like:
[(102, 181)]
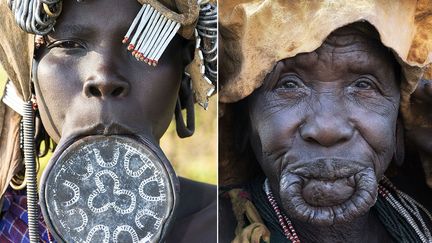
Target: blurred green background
[(193, 157)]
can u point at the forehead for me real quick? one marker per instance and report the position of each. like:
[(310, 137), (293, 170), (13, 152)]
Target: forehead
[(347, 49), (96, 15)]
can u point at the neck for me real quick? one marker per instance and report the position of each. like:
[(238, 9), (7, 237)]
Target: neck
[(366, 228)]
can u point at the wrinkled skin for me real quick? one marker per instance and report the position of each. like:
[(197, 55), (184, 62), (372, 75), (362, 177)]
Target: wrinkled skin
[(421, 103), (323, 130), (88, 83)]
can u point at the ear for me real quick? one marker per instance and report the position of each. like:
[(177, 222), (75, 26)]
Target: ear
[(399, 152)]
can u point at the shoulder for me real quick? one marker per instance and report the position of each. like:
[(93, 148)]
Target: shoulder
[(196, 214)]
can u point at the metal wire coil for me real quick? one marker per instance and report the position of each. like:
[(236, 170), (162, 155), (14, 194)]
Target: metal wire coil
[(36, 16), (31, 173), (207, 29)]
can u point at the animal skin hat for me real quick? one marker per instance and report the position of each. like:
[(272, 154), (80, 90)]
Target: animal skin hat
[(256, 34), (189, 18)]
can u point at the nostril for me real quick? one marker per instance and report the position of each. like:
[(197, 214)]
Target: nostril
[(117, 91), (310, 140), (95, 91)]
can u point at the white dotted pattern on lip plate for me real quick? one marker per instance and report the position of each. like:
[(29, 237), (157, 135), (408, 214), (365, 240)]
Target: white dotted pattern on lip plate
[(127, 197)]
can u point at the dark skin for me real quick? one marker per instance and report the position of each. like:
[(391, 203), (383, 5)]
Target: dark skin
[(88, 83), (323, 130)]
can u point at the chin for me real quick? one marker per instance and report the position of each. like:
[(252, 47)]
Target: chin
[(328, 191)]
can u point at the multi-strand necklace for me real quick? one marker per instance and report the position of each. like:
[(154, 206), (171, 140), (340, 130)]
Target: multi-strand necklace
[(404, 205), (284, 222)]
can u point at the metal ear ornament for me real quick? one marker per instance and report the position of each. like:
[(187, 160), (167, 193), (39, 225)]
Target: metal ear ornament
[(36, 16)]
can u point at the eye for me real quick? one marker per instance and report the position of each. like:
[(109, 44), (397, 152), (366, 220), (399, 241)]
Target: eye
[(66, 44), (364, 84), (290, 85), (290, 82)]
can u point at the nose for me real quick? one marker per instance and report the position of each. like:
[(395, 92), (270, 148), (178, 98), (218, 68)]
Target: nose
[(103, 79), (104, 88), (326, 128)]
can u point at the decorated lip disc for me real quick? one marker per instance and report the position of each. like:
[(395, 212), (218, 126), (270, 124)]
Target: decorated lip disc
[(109, 189)]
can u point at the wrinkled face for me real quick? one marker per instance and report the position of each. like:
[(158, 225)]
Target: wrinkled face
[(323, 127), (88, 83), (421, 106)]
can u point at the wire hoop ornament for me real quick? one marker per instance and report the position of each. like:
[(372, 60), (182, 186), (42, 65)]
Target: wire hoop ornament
[(207, 30), (36, 16)]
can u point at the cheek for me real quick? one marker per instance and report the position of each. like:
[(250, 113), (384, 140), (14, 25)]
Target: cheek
[(274, 130), (378, 133), (56, 85), (157, 100), (275, 125)]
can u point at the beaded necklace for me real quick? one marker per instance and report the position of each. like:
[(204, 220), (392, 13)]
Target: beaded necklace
[(284, 221), (403, 204)]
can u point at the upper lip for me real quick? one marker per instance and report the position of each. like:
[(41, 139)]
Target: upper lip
[(99, 129), (328, 168)]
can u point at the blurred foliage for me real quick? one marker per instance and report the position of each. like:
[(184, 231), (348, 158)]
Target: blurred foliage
[(193, 157), (2, 78)]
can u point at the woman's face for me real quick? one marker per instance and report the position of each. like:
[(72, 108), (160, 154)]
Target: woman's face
[(323, 127), (88, 83)]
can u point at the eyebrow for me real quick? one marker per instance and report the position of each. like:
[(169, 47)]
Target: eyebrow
[(73, 30)]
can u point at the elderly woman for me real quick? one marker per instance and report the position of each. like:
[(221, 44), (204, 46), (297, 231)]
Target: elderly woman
[(312, 112), (106, 104)]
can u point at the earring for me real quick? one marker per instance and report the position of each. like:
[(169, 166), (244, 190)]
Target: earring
[(18, 181), (186, 94)]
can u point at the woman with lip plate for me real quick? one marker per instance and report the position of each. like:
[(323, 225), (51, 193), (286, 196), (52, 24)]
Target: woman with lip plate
[(104, 79), (313, 99)]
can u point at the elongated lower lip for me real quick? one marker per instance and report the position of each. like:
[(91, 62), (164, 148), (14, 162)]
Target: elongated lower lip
[(349, 179), (318, 204)]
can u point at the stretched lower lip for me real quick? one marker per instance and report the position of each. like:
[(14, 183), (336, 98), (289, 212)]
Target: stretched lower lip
[(327, 193), (306, 198)]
